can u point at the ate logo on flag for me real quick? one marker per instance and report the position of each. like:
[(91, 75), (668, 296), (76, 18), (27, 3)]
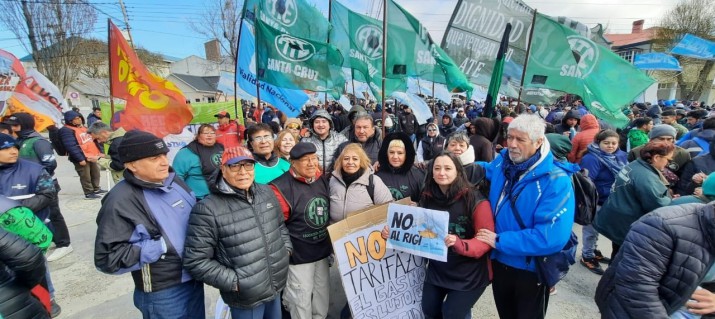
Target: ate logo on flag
[(294, 49), (369, 39), (283, 11), (586, 53)]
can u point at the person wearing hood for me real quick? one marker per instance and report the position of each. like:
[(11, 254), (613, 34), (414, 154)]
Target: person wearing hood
[(304, 198), (430, 145), (84, 153), (396, 157), (324, 137), (461, 117), (458, 144), (697, 141), (485, 131), (571, 120), (102, 133), (526, 182), (589, 129), (198, 162), (447, 126), (366, 134), (228, 133), (142, 227), (261, 143)]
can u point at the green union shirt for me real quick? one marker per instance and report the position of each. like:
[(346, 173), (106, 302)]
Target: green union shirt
[(265, 174)]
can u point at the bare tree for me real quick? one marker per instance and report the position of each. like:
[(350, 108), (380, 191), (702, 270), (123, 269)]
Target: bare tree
[(51, 30), (95, 62), (221, 20), (694, 17)]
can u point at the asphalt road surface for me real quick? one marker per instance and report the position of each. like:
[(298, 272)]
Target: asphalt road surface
[(84, 292)]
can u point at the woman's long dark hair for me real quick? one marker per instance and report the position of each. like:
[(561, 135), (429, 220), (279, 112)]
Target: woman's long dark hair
[(458, 186)]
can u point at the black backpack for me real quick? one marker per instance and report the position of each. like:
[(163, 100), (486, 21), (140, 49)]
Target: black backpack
[(586, 197), (57, 141)]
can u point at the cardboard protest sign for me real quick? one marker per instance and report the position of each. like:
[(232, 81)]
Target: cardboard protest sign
[(379, 283), (418, 231)]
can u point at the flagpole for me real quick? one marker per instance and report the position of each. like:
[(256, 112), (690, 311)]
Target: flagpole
[(235, 69), (528, 51), (258, 83), (384, 62), (109, 55), (352, 79), (330, 13)]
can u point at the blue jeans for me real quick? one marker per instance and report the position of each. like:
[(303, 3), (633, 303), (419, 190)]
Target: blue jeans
[(181, 301), (589, 237), (267, 310)]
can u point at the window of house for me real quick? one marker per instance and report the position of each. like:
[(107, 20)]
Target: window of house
[(198, 100), (211, 99)]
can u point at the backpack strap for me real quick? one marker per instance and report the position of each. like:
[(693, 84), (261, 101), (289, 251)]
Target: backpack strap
[(371, 188)]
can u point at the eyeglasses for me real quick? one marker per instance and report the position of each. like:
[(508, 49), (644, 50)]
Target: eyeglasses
[(261, 139), (235, 168), (208, 133), (293, 126)]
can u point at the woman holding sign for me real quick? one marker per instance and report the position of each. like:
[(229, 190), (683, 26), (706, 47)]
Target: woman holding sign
[(467, 272), (396, 157)]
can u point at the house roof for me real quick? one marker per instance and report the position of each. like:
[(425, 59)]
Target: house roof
[(91, 86), (621, 40), (199, 83)]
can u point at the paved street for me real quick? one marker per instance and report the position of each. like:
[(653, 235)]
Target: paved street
[(84, 292)]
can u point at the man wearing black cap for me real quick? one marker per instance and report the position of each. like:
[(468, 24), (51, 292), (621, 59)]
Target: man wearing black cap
[(304, 198), (141, 229), (35, 148), (13, 123), (229, 133), (237, 241)]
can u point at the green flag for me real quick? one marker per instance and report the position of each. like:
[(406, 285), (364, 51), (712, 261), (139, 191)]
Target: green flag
[(295, 17), (359, 39), (292, 62), (561, 59), (496, 80), (411, 52)]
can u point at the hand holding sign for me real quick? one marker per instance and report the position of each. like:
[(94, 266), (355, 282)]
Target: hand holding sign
[(418, 231)]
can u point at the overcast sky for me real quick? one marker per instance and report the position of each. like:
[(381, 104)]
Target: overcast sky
[(163, 25)]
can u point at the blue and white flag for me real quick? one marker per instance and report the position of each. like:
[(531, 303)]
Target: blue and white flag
[(694, 47), (288, 101), (419, 107), (656, 61)]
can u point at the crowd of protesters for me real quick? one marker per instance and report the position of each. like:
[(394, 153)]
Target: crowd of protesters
[(245, 206)]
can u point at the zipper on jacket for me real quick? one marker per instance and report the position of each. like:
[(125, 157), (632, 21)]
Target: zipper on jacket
[(265, 247)]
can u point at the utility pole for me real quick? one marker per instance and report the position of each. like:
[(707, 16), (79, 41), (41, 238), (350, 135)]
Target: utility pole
[(126, 22)]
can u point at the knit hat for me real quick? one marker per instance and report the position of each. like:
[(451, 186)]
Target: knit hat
[(138, 144), (560, 145), (236, 154), (6, 141), (292, 120), (709, 185), (662, 130), (301, 149)]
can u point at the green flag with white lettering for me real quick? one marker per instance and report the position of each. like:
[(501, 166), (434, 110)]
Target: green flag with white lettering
[(295, 17), (292, 62), (411, 52), (561, 59)]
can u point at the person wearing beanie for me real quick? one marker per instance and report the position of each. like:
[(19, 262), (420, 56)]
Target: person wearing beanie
[(228, 133), (84, 153), (447, 127), (672, 172), (36, 148), (304, 198), (237, 240), (324, 137), (141, 228), (293, 125)]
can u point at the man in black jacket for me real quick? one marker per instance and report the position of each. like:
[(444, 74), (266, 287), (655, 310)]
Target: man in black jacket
[(141, 229), (304, 198), (408, 123)]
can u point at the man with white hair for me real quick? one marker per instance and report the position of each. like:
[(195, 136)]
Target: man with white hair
[(533, 204)]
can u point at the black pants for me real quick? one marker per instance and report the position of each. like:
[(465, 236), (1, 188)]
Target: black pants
[(60, 233), (457, 304), (517, 293), (615, 250)]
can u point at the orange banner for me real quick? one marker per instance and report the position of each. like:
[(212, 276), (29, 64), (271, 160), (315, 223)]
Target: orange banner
[(153, 104), (15, 105)]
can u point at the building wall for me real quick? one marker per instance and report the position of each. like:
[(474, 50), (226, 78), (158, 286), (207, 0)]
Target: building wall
[(196, 66), (191, 94)]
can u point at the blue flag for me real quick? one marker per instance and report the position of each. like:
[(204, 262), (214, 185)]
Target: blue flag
[(656, 61), (288, 101), (694, 47)]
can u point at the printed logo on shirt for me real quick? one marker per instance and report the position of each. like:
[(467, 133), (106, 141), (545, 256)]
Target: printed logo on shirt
[(317, 213)]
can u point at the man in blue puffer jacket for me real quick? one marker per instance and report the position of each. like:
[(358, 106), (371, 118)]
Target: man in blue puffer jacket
[(525, 181)]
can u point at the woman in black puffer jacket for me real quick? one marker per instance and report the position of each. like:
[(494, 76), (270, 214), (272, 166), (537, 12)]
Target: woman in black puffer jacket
[(22, 267), (397, 170), (665, 257)]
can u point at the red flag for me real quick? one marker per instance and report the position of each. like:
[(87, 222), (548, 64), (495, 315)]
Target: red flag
[(153, 104)]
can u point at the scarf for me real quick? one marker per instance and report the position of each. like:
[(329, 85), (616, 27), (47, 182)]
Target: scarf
[(608, 159), (209, 157), (350, 178), (513, 171)]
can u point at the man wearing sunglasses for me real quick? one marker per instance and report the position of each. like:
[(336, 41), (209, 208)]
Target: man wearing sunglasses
[(237, 241), (229, 133)]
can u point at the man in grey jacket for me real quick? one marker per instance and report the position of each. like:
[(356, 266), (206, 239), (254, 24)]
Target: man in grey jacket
[(324, 137), (237, 241)]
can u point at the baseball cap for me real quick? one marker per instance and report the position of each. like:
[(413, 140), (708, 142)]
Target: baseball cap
[(236, 154), (11, 120), (223, 114)]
